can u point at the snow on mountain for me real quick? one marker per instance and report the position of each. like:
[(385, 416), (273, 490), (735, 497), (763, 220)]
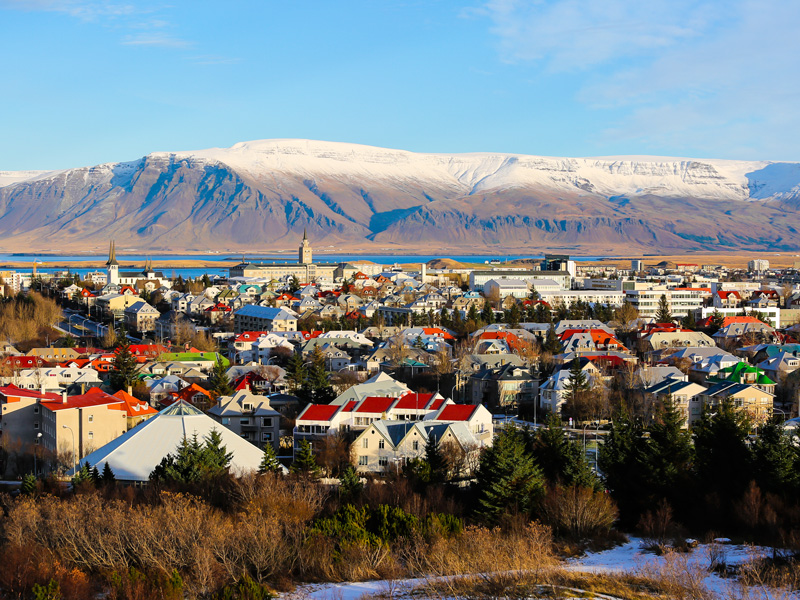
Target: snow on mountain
[(477, 172), (263, 194), (9, 177)]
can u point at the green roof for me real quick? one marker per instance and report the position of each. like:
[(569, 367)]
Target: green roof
[(737, 373), (193, 356)]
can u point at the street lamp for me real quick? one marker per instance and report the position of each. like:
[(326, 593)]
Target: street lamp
[(74, 456), (35, 452)]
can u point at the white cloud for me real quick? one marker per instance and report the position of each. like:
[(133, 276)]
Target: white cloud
[(81, 9), (160, 40), (715, 77)]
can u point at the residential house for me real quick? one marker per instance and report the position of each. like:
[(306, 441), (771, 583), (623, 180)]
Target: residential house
[(140, 316), (249, 415)]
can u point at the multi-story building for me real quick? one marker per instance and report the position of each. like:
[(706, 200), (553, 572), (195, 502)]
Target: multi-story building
[(267, 318), (249, 416)]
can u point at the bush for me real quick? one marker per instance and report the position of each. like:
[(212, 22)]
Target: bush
[(578, 512)]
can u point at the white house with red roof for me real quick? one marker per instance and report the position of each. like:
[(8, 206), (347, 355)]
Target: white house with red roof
[(317, 421), (475, 416)]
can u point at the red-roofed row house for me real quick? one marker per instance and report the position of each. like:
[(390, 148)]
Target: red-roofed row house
[(61, 423), (319, 420)]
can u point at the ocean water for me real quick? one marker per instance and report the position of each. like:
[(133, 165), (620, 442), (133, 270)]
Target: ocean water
[(45, 260)]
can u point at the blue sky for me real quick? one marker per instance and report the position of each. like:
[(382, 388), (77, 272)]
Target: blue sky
[(91, 81)]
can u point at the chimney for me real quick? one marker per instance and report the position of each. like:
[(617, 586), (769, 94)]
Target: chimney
[(42, 389), (130, 390), (64, 397)]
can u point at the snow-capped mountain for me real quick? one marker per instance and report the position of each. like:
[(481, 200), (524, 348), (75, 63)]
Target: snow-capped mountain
[(262, 194)]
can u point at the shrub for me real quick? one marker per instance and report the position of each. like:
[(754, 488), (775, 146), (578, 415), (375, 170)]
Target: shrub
[(578, 512)]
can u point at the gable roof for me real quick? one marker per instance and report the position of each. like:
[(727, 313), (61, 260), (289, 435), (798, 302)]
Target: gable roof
[(134, 455)]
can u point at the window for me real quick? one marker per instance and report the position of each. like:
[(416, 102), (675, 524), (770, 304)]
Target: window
[(383, 461), (248, 407), (91, 418), (362, 461), (266, 437), (266, 421), (415, 445), (35, 410), (226, 420), (91, 435), (365, 443), (244, 421), (36, 425), (381, 444)]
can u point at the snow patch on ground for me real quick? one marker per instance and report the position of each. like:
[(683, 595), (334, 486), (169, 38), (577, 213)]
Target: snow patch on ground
[(630, 557)]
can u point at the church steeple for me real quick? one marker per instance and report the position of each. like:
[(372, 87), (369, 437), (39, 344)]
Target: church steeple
[(304, 254), (112, 266), (112, 254)]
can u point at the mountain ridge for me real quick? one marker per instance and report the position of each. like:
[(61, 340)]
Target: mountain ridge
[(262, 194)]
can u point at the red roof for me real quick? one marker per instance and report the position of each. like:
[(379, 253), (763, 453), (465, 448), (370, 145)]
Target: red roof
[(375, 404), (730, 320), (130, 403), (24, 361), (94, 397), (437, 332), (350, 406), (437, 404), (12, 391), (725, 295), (457, 412), (414, 400), (318, 412), (248, 336)]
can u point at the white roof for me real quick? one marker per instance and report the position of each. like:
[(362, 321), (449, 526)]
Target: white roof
[(134, 455)]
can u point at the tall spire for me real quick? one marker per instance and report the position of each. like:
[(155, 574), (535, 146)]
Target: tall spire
[(112, 254), (305, 237)]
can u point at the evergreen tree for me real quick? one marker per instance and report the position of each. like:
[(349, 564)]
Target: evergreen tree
[(542, 314), (125, 368), (457, 322), (513, 317), (577, 388), (418, 343), (95, 476), (215, 455), (689, 321), (717, 322), (194, 461), (668, 453), (508, 480), (662, 312), (218, 380), (723, 457), (28, 485), (562, 460), (472, 314), (534, 295), (294, 285), (621, 465), (316, 387), (304, 461), (269, 462), (444, 317), (295, 372), (776, 461), (108, 475), (551, 342), (350, 485), (487, 314), (434, 458)]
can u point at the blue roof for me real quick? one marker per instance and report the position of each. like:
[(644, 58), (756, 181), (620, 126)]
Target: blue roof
[(261, 312)]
